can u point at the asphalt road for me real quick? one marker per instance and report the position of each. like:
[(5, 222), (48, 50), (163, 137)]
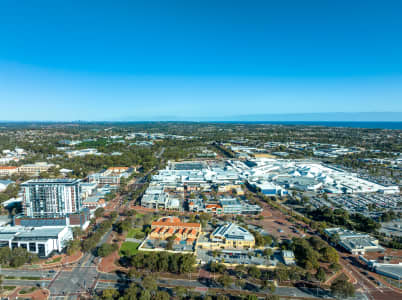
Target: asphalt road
[(73, 283)]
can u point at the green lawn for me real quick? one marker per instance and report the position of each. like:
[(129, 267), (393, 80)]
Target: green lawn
[(129, 248), (135, 233)]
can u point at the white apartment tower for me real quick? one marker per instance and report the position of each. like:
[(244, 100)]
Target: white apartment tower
[(51, 197)]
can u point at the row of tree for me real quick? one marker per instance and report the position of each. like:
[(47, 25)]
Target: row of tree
[(161, 262), (16, 257)]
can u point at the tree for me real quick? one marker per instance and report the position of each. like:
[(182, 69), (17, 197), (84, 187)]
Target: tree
[(342, 289), (330, 255), (106, 249), (268, 252), (145, 295), (110, 294), (170, 241), (77, 232), (320, 275), (225, 280), (216, 267), (254, 272), (113, 215), (272, 297), (268, 284), (73, 246), (335, 267), (99, 212), (180, 291), (149, 283), (161, 295)]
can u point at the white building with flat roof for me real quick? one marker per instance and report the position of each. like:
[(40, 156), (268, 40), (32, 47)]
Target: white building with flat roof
[(40, 240)]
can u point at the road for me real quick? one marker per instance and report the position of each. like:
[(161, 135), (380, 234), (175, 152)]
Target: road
[(81, 278), (373, 291), (85, 276)]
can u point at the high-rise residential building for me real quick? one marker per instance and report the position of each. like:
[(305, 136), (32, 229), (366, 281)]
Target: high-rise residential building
[(49, 198)]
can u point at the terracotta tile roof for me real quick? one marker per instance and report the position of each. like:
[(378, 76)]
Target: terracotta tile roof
[(213, 206), (8, 168), (176, 224), (118, 168)]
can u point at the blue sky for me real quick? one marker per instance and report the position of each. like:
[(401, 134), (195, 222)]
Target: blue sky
[(126, 60)]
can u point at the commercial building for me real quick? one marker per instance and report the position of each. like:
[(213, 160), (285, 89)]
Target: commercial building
[(275, 176), (288, 257), (94, 202), (51, 197), (354, 242), (228, 236), (235, 206), (111, 176), (42, 241), (393, 271), (7, 171), (82, 152), (35, 169), (80, 219)]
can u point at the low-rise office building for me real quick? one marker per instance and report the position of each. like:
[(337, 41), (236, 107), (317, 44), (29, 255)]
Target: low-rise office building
[(35, 169), (111, 176), (228, 236), (42, 241), (80, 219), (7, 171), (288, 257), (354, 242), (234, 206)]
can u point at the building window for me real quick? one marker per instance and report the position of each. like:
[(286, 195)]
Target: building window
[(32, 247), (41, 250)]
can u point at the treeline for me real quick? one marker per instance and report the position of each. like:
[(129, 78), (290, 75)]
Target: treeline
[(82, 166), (341, 217), (389, 216), (161, 262), (16, 257), (148, 290), (281, 273), (92, 240), (309, 252)]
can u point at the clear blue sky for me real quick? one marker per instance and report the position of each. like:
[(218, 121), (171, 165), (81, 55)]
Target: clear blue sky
[(120, 60)]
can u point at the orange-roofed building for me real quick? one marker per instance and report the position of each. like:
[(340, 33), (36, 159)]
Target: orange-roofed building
[(214, 208), (8, 170), (169, 226), (117, 169)]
